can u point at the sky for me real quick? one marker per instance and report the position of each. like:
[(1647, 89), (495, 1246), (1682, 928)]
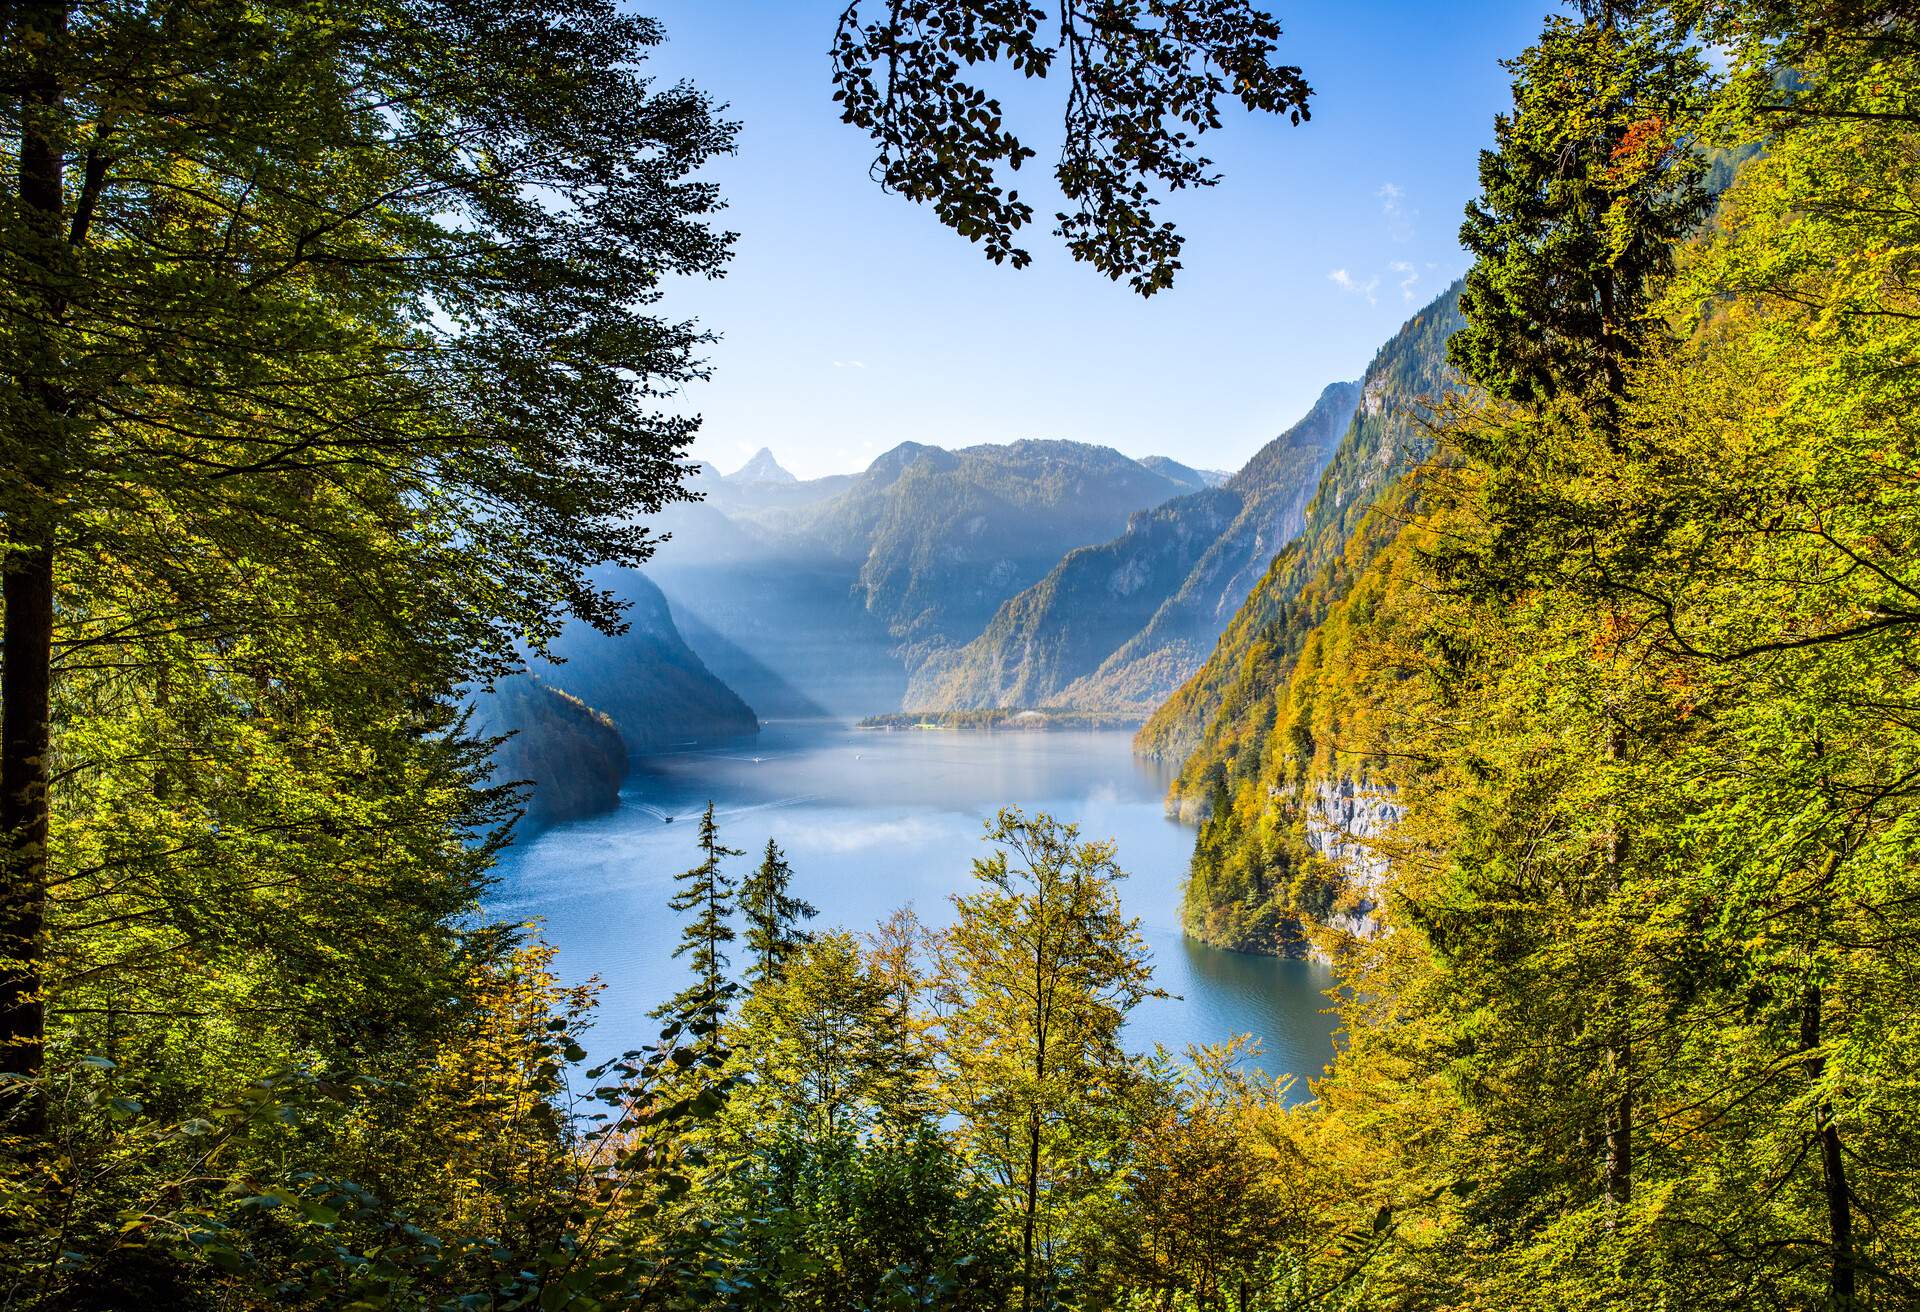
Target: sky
[(851, 320)]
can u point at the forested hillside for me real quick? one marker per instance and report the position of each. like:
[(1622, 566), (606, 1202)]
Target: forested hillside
[(572, 755), (1221, 712), (1595, 771), (1119, 625)]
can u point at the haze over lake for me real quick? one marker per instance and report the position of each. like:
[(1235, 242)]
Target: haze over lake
[(872, 821)]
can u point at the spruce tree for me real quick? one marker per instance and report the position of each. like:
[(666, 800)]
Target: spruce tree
[(773, 915), (707, 893), (1590, 183)]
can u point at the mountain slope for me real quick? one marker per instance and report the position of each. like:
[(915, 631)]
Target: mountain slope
[(943, 537), (1119, 625), (1194, 480), (570, 753), (769, 694), (1087, 605), (1276, 486), (646, 680), (1225, 710)]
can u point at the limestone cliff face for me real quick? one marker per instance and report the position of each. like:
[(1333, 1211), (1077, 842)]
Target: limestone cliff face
[(1346, 819)]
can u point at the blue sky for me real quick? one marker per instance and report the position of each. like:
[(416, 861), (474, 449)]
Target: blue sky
[(851, 320)]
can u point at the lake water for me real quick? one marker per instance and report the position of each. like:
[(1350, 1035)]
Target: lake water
[(874, 820)]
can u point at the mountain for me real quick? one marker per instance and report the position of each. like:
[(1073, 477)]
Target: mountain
[(943, 537), (763, 468), (762, 485), (652, 686), (1118, 626), (570, 753), (848, 594), (771, 696), (1192, 479), (1223, 712)]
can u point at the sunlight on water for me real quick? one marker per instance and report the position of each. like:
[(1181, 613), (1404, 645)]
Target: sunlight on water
[(872, 821)]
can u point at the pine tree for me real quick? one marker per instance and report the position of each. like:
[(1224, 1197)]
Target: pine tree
[(773, 915), (705, 891)]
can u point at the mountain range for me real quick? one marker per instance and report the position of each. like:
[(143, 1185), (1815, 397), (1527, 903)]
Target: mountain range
[(848, 586), (1120, 625), (1035, 574)]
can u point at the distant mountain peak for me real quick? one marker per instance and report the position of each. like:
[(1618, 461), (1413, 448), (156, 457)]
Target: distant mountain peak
[(1185, 475), (763, 468)]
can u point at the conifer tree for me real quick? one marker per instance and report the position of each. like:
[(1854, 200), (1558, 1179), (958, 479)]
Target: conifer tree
[(773, 915), (707, 893), (1590, 183)]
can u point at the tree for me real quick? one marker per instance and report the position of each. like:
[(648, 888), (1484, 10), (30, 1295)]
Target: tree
[(773, 915), (1591, 181), (1208, 1212), (839, 1185), (1146, 79), (321, 322), (1033, 982), (707, 892)]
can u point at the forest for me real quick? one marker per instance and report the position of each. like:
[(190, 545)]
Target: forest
[(332, 337)]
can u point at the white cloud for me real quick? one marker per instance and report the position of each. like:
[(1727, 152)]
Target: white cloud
[(1346, 282), (1408, 277), (1393, 207), (849, 364)]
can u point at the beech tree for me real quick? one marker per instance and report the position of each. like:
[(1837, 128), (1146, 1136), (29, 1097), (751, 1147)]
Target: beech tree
[(1033, 982), (1146, 79), (312, 318)]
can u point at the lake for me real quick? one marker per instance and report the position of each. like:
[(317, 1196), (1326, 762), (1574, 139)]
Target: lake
[(874, 820)]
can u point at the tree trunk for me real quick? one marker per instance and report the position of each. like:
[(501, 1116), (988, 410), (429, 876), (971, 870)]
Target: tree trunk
[(1620, 1150), (26, 591), (1619, 1130), (1833, 1164), (1033, 1207), (25, 687)]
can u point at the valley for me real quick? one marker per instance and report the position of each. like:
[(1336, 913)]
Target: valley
[(1038, 586)]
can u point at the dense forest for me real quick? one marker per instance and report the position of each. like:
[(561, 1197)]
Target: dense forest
[(1577, 729)]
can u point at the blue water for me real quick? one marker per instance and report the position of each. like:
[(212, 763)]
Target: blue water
[(875, 820)]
